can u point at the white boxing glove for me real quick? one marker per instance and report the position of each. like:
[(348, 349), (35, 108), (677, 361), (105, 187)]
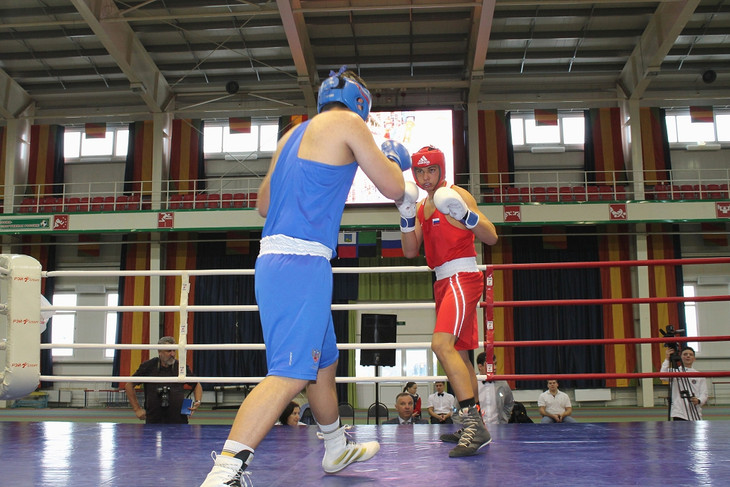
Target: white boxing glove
[(407, 207), (449, 202)]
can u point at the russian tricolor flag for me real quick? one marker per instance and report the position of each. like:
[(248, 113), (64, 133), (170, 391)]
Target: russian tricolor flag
[(390, 244)]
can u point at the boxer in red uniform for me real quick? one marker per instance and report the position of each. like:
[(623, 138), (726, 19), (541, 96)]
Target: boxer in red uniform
[(446, 222)]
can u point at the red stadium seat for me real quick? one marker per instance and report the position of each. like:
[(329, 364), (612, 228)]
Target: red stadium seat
[(214, 200), (579, 193), (566, 193), (552, 193), (226, 200)]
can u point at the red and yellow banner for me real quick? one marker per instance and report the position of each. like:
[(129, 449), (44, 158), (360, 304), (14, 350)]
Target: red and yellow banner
[(135, 326), (607, 148), (181, 255), (662, 283), (546, 117), (493, 151), (95, 130), (239, 125), (618, 319), (501, 253), (43, 146), (186, 154), (702, 114), (654, 146)]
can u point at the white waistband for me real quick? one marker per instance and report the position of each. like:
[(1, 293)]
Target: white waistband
[(448, 269), (284, 244)]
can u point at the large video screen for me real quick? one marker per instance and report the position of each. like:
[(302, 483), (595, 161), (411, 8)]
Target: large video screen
[(414, 129)]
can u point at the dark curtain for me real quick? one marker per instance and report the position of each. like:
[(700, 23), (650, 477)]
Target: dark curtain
[(229, 326), (59, 168), (589, 157), (344, 290), (129, 162), (557, 322)]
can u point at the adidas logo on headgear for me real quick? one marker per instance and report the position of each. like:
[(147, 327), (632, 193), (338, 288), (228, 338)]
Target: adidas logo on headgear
[(423, 161)]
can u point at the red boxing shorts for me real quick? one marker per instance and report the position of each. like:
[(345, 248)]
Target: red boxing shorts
[(457, 298)]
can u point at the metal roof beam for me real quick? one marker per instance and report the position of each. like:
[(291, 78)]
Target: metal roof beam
[(296, 34), (13, 98), (145, 79), (653, 46)]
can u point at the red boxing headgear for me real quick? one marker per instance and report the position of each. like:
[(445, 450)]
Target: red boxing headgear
[(428, 156)]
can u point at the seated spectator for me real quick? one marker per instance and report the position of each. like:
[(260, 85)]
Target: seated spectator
[(555, 405), (290, 416), (441, 405), (404, 408), (412, 389)]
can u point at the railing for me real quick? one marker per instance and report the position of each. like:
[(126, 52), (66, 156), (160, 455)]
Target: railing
[(578, 186), (112, 197)]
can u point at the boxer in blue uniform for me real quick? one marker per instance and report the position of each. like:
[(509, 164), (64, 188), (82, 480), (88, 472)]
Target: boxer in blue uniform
[(302, 198)]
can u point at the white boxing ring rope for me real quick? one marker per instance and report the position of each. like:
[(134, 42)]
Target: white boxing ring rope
[(30, 384)]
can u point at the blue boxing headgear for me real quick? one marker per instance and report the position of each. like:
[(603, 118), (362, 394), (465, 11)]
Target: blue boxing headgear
[(347, 91)]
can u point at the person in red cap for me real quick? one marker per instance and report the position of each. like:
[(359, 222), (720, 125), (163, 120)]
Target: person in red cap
[(446, 223)]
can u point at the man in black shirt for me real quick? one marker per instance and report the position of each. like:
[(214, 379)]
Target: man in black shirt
[(163, 401)]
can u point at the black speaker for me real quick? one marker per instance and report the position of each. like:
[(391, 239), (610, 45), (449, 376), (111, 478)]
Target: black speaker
[(378, 329)]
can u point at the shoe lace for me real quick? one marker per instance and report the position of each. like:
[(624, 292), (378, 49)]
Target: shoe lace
[(468, 431), (347, 427), (239, 478)]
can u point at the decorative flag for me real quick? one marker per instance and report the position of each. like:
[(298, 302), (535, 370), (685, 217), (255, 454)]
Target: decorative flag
[(714, 234), (546, 117), (701, 114), (390, 244), (554, 237), (238, 243), (239, 125), (88, 246), (95, 130), (347, 245), (366, 244)]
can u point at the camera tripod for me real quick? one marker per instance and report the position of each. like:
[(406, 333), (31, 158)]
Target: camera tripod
[(684, 386)]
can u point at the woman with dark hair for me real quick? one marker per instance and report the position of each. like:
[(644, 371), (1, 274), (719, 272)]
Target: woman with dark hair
[(412, 389), (290, 415)]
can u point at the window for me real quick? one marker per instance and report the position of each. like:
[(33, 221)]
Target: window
[(63, 324), (77, 148), (408, 362), (682, 130), (217, 138), (570, 131), (110, 335), (690, 316)]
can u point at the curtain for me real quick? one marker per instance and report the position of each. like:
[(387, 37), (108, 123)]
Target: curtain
[(46, 169), (187, 163), (133, 327), (228, 326), (655, 146), (501, 253), (603, 150), (557, 322), (138, 167), (180, 255), (664, 281), (42, 249), (496, 154), (618, 319)]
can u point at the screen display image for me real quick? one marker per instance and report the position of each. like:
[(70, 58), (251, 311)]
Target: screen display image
[(414, 129)]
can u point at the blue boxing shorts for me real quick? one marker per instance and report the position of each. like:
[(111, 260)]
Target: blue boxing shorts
[(294, 295)]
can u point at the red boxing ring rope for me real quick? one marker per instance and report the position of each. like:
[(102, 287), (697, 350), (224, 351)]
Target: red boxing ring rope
[(489, 304)]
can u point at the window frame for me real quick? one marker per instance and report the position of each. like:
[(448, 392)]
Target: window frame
[(118, 154)]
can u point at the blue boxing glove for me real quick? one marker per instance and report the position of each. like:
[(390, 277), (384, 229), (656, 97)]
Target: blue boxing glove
[(397, 152)]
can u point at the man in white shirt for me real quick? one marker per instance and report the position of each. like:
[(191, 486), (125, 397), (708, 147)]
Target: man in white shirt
[(495, 397), (555, 405), (689, 394), (441, 405)]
